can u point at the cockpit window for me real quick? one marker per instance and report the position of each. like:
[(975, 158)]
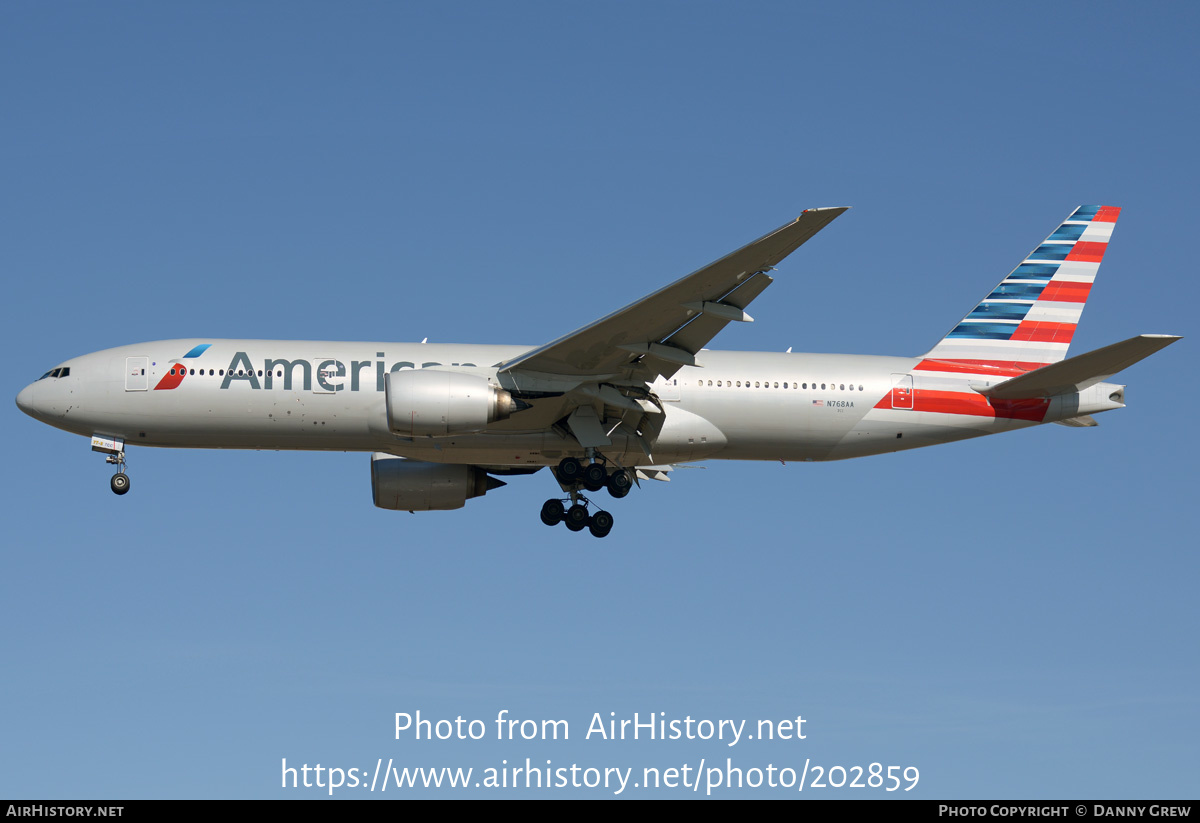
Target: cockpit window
[(61, 371)]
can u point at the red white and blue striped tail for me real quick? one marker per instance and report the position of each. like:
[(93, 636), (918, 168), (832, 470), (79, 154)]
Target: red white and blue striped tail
[(1029, 319)]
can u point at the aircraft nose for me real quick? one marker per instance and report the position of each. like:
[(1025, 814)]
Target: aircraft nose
[(25, 400)]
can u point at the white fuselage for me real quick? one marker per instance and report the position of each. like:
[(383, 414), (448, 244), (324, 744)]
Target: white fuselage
[(279, 394)]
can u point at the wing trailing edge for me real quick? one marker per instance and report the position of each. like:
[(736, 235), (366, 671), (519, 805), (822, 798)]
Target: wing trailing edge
[(663, 331)]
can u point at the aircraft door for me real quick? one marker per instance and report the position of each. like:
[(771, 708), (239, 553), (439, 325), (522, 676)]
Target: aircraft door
[(667, 388), (136, 378), (902, 391)]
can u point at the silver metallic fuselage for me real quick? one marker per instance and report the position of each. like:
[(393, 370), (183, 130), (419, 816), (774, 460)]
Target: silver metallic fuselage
[(329, 396)]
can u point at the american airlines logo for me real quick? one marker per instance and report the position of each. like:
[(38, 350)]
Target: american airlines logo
[(331, 375), (178, 371)]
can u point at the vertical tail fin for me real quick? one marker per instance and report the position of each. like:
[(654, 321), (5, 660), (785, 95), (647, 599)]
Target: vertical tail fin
[(1028, 320)]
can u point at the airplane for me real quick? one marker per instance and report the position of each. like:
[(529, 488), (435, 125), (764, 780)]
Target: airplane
[(621, 400)]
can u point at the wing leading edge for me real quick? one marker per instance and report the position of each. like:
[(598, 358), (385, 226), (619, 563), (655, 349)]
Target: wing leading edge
[(664, 330)]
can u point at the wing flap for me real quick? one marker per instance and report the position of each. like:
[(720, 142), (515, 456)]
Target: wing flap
[(585, 425), (705, 325)]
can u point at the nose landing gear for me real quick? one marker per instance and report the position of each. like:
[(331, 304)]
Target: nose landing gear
[(119, 483), (120, 480), (113, 449)]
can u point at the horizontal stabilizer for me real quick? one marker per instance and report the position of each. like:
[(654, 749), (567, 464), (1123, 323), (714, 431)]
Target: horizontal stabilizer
[(1077, 373)]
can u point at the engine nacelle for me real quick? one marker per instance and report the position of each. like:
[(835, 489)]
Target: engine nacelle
[(431, 403), (416, 486)]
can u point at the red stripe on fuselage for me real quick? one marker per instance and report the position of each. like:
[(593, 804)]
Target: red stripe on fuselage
[(970, 403)]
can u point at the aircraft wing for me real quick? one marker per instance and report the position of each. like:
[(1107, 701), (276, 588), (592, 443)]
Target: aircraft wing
[(663, 331)]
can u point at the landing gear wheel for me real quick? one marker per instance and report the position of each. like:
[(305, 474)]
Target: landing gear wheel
[(569, 470), (601, 524), (619, 483), (552, 512), (594, 477), (576, 518), (119, 483)]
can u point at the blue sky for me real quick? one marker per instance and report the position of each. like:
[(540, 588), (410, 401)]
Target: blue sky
[(1014, 616)]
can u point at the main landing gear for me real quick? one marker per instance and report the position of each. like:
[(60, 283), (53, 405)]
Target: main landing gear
[(594, 476), (576, 518)]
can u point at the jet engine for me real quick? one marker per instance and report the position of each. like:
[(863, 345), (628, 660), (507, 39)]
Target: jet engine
[(431, 403), (416, 486)]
